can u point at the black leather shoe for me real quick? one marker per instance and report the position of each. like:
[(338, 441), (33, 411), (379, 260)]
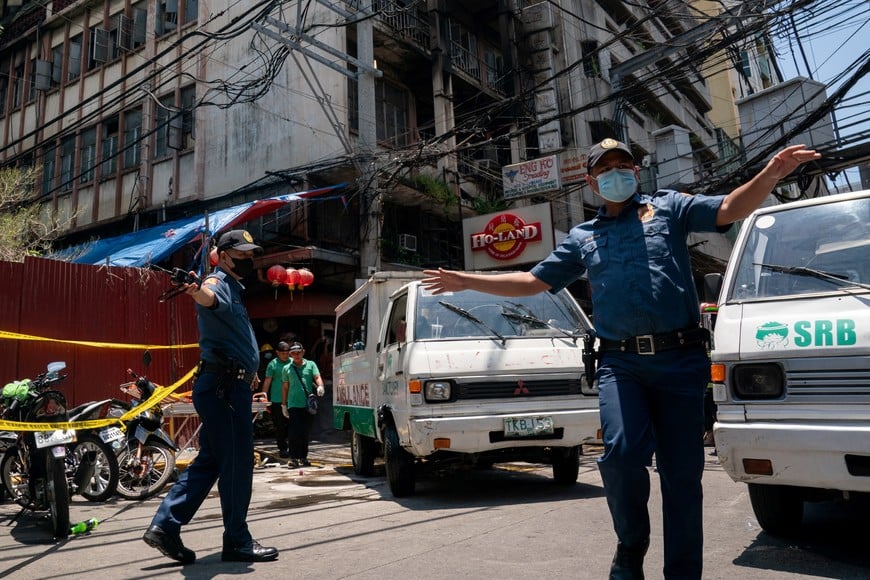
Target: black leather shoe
[(253, 552), (628, 561), (169, 545)]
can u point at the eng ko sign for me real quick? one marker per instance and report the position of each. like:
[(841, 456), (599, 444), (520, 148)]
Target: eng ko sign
[(531, 177), (506, 238)]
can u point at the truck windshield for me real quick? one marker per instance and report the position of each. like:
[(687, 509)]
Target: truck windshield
[(541, 315), (806, 250)]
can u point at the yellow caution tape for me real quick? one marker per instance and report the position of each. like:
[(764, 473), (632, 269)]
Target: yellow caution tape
[(17, 336), (159, 394)]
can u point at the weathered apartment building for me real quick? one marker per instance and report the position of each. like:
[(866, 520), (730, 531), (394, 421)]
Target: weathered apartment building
[(138, 112)]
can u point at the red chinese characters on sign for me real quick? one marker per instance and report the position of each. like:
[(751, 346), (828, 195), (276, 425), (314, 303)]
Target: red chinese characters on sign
[(505, 237)]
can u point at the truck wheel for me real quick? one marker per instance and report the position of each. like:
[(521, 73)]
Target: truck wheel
[(399, 464), (566, 464), (362, 452), (779, 509)]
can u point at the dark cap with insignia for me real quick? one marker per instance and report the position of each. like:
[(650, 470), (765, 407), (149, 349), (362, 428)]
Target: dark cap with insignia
[(599, 150), (238, 240)]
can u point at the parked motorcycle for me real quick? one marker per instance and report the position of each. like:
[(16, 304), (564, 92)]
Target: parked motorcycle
[(34, 469), (147, 457)]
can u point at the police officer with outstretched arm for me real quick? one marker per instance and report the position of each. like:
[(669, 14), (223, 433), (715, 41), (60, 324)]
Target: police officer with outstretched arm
[(222, 399), (653, 361)]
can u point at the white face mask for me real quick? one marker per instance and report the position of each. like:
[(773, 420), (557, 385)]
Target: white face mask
[(616, 185)]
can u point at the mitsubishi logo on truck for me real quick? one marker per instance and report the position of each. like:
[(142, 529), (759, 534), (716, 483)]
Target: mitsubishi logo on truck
[(807, 333), (521, 388)]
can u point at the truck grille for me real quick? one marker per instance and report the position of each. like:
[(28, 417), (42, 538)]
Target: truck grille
[(826, 384), (517, 389)]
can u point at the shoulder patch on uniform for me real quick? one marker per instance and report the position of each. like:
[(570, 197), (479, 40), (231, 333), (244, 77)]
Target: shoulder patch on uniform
[(211, 281)]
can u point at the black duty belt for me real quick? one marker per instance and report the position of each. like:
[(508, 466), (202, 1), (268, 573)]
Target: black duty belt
[(653, 343), (239, 373)]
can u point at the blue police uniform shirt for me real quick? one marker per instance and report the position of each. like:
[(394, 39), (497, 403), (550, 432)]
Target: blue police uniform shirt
[(226, 328), (637, 262)]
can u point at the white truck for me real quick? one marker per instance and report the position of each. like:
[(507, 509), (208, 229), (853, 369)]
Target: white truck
[(460, 379), (791, 357)]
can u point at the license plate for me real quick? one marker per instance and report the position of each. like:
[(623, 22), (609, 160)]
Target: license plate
[(59, 437), (110, 434), (527, 426)]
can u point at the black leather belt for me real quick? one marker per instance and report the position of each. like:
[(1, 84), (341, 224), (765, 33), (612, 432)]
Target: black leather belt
[(653, 343), (240, 373)]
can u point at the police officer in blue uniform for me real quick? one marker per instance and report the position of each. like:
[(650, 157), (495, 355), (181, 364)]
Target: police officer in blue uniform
[(222, 399), (653, 360)]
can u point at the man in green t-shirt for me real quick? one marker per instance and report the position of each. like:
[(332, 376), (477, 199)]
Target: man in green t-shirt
[(272, 387), (301, 378)]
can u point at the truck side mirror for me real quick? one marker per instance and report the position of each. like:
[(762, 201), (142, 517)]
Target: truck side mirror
[(712, 287)]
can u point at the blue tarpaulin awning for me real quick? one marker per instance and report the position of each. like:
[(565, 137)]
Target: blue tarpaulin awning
[(153, 245)]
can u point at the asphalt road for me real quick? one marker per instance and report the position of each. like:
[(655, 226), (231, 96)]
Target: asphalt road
[(508, 522)]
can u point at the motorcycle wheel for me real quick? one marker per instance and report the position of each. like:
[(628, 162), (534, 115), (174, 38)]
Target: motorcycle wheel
[(105, 480), (15, 478), (147, 476), (57, 495)]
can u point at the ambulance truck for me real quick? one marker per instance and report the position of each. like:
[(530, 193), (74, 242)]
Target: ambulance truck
[(791, 357), (460, 379)]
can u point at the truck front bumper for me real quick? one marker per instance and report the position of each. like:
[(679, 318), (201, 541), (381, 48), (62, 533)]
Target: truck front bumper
[(803, 455), (480, 433)]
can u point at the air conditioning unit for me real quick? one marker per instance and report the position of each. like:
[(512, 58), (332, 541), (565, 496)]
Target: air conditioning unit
[(408, 242)]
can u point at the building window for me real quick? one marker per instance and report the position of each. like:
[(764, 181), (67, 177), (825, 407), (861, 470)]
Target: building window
[(745, 65), (392, 113), (48, 163), (167, 17), (56, 65), (191, 11), (188, 119), (67, 162), (75, 57), (591, 61), (89, 155), (166, 112), (31, 82), (132, 138), (18, 86), (4, 85), (110, 147)]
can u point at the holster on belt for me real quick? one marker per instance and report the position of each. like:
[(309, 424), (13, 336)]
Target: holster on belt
[(590, 356)]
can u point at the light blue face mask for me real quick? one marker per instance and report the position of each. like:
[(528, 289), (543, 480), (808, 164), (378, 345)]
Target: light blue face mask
[(617, 185)]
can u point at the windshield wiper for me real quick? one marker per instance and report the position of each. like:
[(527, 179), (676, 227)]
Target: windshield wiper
[(466, 314), (512, 311), (836, 279)]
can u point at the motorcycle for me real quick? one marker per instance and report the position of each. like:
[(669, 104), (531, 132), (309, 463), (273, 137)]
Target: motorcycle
[(147, 457), (34, 468)]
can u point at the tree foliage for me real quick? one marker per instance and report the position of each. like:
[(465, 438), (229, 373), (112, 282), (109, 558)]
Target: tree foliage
[(26, 228)]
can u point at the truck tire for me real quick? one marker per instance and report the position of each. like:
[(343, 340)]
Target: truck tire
[(362, 452), (779, 509), (566, 465), (399, 464)]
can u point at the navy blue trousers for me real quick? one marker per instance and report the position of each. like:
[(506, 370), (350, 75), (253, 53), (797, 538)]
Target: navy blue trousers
[(226, 456), (655, 404)]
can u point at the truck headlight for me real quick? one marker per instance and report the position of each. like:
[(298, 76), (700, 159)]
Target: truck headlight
[(437, 390), (762, 381)]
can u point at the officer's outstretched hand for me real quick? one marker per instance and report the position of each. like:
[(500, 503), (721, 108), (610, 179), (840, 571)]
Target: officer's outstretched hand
[(787, 160)]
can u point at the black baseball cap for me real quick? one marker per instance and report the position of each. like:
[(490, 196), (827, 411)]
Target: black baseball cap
[(238, 240), (599, 150)]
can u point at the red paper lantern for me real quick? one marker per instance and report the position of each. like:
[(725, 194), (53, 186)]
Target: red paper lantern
[(292, 279), (276, 275), (306, 277), (213, 257)]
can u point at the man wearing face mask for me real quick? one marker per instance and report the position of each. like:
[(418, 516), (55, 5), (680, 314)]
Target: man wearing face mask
[(653, 365), (222, 398)]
